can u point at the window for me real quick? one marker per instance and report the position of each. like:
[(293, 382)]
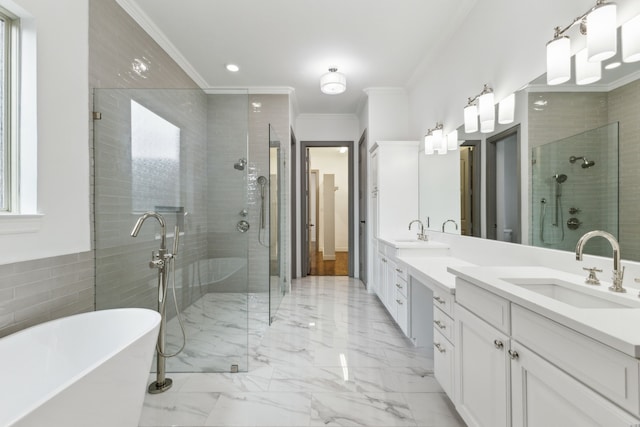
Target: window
[(8, 86)]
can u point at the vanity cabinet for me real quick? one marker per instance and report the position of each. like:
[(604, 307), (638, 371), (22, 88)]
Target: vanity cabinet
[(393, 287), (514, 367), (394, 189)]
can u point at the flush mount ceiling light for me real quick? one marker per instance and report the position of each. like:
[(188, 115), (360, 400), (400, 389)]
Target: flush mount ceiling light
[(232, 67), (333, 82), (598, 24)]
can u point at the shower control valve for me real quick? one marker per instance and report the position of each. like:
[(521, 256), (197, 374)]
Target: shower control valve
[(156, 261)]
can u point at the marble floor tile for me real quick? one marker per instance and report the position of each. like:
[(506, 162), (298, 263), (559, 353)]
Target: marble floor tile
[(332, 357)]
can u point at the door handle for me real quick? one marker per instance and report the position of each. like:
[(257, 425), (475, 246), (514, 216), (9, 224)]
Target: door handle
[(362, 221)]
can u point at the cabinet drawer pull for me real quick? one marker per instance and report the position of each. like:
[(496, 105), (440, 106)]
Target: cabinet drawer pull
[(399, 302), (399, 286), (513, 354), (384, 260), (398, 270), (440, 324), (499, 345), (439, 347), (440, 300)]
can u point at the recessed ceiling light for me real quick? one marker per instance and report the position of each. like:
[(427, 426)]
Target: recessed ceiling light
[(612, 65), (233, 68)]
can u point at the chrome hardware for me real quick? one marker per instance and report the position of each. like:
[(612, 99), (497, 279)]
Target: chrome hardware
[(498, 344), (384, 259), (243, 213), (449, 220), (574, 211), (592, 279), (398, 270), (399, 286), (618, 273), (439, 347), (439, 300), (399, 302), (440, 324), (573, 223), (513, 354), (242, 226), (421, 235)]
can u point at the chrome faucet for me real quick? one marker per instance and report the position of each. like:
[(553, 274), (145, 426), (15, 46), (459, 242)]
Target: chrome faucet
[(421, 235), (449, 220), (618, 272)]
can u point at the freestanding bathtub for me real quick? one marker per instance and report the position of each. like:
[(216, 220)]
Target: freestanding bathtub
[(89, 369)]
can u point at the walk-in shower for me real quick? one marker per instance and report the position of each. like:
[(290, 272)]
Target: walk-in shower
[(568, 200), (170, 152)]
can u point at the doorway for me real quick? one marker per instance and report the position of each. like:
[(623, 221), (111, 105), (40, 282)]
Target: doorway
[(327, 208), (470, 176), (503, 186)]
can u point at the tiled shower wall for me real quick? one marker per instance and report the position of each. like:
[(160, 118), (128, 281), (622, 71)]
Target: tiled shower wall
[(569, 113)]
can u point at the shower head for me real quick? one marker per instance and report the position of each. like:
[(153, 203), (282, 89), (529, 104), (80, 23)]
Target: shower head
[(239, 165), (560, 178), (585, 163)]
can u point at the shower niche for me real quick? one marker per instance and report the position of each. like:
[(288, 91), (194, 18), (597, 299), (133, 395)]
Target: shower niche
[(574, 188)]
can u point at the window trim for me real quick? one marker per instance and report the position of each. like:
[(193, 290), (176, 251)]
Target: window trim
[(11, 115)]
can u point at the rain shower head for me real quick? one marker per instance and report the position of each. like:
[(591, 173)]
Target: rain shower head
[(585, 163), (239, 165)]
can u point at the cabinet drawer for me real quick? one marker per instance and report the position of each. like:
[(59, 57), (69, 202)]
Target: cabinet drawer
[(613, 374), (489, 307), (401, 271), (443, 324), (443, 300), (401, 286), (443, 362), (402, 312)]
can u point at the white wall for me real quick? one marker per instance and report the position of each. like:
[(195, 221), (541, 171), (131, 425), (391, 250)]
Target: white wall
[(62, 133)]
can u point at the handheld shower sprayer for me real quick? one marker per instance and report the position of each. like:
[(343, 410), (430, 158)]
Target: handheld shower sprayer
[(262, 181)]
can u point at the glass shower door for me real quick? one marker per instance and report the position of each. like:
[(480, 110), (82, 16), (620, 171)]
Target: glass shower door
[(172, 151)]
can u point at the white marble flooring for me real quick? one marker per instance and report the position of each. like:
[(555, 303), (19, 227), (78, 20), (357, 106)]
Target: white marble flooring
[(333, 357)]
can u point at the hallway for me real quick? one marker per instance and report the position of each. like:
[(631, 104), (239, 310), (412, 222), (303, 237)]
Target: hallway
[(333, 357)]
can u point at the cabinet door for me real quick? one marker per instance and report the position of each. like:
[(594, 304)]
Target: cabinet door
[(390, 288), (443, 362), (482, 383), (545, 396), (382, 279)]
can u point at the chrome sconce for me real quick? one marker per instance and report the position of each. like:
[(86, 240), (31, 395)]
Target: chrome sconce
[(482, 106), (436, 142)]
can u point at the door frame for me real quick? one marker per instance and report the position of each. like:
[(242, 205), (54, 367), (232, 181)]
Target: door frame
[(363, 196), (476, 193), (304, 215)]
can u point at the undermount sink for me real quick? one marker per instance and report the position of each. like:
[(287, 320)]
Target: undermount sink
[(580, 296)]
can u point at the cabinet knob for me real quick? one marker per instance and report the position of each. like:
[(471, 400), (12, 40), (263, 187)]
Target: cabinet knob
[(498, 344), (513, 354), (439, 300), (440, 324), (439, 347)]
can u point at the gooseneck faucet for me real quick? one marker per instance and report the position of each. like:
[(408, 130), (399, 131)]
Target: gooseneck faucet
[(161, 261), (449, 220), (618, 272), (421, 235)]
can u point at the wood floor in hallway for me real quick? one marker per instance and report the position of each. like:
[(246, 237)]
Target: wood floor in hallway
[(337, 267)]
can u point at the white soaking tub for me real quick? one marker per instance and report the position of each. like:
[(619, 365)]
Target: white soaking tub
[(89, 369)]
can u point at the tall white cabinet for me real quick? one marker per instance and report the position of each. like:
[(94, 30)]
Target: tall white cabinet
[(394, 189)]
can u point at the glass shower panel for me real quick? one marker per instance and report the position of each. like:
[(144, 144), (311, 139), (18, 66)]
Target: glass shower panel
[(176, 152), (575, 190), (276, 278)]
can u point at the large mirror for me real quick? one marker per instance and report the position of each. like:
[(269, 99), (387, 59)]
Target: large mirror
[(569, 163)]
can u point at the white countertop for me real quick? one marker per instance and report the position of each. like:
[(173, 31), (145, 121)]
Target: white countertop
[(411, 244), (616, 327), (434, 269)]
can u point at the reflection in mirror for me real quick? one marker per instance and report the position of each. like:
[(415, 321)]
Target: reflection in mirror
[(271, 218), (575, 189)]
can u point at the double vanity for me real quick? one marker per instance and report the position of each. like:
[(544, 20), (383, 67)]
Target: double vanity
[(513, 345)]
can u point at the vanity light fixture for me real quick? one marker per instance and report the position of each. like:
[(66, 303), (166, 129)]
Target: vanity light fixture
[(586, 71), (434, 141), (452, 140), (630, 39), (487, 109), (507, 109), (428, 143), (333, 82), (558, 59), (602, 38), (471, 117)]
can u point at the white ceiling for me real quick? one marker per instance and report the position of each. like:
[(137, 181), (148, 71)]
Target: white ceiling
[(291, 43)]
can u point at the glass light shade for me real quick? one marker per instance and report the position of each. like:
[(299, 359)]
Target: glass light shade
[(507, 109), (631, 40), (602, 37), (487, 112), (586, 71), (333, 83), (558, 60), (452, 140), (470, 119), (439, 144), (428, 144)]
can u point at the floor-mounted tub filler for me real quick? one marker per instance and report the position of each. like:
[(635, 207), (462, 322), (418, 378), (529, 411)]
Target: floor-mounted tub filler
[(89, 369)]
